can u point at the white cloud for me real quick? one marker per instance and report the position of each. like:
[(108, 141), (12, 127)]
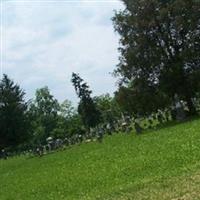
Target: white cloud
[(45, 43)]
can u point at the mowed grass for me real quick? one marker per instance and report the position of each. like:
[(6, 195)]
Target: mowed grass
[(161, 164)]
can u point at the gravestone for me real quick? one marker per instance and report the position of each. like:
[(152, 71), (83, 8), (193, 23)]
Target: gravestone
[(180, 113), (124, 125), (100, 135), (167, 116), (4, 154), (108, 129), (138, 128)]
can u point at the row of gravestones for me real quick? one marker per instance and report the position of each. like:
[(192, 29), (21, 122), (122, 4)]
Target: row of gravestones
[(177, 112), (126, 125)]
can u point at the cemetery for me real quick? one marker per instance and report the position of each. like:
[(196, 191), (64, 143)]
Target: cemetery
[(100, 100)]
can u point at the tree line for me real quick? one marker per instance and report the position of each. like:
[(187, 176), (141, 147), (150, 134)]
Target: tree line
[(25, 124)]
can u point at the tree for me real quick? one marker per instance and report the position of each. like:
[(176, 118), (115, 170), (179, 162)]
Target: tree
[(69, 121), (44, 113), (160, 45), (141, 100), (108, 108), (45, 103), (66, 109), (75, 125), (87, 108), (13, 115)]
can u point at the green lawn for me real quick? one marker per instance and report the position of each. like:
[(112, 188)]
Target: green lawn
[(162, 164)]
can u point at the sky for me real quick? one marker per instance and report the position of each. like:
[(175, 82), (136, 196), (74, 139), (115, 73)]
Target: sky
[(43, 42)]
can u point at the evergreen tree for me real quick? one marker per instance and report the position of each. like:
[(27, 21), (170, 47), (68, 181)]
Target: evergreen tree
[(87, 108), (13, 115)]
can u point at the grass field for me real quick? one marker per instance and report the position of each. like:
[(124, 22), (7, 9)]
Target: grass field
[(161, 164)]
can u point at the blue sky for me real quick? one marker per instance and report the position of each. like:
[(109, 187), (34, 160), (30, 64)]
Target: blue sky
[(45, 41)]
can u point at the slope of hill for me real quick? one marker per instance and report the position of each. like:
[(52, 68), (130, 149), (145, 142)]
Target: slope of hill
[(161, 164)]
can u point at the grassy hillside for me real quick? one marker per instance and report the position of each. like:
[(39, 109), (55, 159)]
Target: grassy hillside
[(162, 164)]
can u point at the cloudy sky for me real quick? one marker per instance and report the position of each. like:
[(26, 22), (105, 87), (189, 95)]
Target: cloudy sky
[(45, 41)]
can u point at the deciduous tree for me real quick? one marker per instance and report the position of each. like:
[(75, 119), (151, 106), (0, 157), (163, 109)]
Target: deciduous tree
[(160, 46)]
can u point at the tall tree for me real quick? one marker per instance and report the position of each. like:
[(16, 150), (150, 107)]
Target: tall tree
[(13, 115), (160, 45), (44, 111), (69, 121), (87, 108)]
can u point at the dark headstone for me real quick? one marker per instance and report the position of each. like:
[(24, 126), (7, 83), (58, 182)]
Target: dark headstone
[(4, 154), (180, 113), (160, 118), (100, 135), (138, 128), (167, 116)]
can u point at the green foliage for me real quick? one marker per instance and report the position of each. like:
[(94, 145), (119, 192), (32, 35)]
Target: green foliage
[(48, 118), (67, 110), (160, 45), (69, 121), (108, 107), (75, 125), (39, 134), (156, 165), (58, 132), (143, 101), (43, 112), (87, 108), (14, 124), (45, 103)]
